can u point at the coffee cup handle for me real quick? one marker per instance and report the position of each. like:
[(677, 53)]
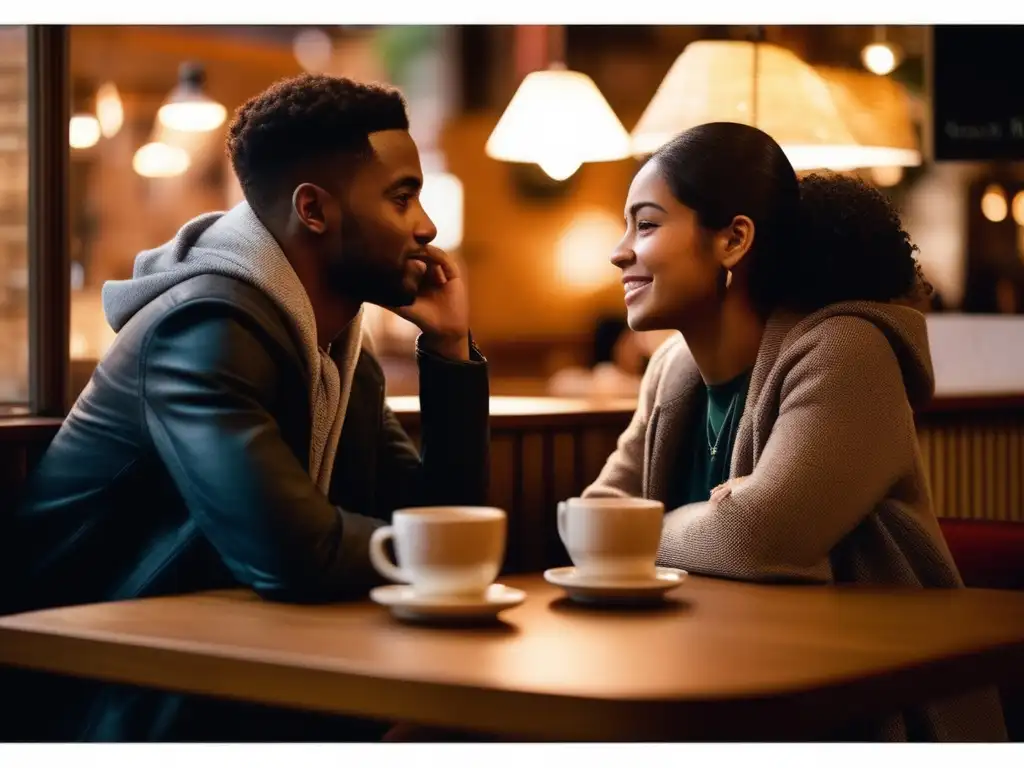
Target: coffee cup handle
[(563, 510), (379, 558)]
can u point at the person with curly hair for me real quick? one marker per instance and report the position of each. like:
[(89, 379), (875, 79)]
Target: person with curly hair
[(780, 436), (236, 432)]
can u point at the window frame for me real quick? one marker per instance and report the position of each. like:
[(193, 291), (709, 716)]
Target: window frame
[(49, 243)]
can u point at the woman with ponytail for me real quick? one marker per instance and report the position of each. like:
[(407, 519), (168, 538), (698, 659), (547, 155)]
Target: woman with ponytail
[(780, 435)]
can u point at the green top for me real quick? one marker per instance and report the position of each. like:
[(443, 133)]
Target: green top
[(706, 462)]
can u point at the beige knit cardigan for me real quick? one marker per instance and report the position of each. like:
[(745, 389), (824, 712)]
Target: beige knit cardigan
[(831, 486)]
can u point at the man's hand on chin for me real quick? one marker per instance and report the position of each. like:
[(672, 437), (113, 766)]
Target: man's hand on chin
[(441, 310)]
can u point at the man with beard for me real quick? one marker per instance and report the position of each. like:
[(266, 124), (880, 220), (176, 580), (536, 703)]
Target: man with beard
[(236, 431)]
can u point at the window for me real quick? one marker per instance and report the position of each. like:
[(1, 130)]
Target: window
[(14, 297)]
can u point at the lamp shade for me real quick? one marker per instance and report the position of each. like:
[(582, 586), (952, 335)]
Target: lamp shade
[(559, 120), (715, 81), (877, 110)]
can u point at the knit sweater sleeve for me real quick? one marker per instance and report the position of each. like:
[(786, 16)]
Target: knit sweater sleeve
[(623, 472), (838, 445)]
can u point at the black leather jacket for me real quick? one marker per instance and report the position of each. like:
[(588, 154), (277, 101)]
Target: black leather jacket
[(184, 464)]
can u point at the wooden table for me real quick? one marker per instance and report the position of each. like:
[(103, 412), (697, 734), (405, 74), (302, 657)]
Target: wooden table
[(723, 660)]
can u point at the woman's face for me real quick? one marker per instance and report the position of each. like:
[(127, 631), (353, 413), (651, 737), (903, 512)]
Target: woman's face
[(672, 268)]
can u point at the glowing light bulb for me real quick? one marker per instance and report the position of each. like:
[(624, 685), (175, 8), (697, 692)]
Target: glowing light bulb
[(83, 131), (993, 204), (1018, 208), (879, 58), (188, 109), (559, 168), (109, 109), (159, 161), (192, 116)]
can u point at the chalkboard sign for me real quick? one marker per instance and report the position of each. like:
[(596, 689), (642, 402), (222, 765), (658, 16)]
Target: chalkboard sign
[(978, 92)]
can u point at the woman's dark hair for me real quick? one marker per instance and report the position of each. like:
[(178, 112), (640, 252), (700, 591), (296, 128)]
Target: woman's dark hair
[(820, 240)]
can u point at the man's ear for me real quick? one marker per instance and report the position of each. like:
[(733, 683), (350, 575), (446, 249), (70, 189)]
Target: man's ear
[(735, 241), (310, 205)]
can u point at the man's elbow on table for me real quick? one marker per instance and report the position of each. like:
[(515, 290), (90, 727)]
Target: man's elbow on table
[(316, 570)]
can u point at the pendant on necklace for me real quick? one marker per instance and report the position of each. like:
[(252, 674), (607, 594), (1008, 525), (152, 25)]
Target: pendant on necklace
[(714, 450)]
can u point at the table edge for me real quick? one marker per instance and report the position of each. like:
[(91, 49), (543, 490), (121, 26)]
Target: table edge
[(757, 715)]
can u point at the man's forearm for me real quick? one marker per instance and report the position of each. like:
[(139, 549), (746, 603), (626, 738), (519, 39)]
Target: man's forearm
[(455, 416)]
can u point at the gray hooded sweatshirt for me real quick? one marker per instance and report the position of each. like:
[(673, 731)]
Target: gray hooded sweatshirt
[(236, 244)]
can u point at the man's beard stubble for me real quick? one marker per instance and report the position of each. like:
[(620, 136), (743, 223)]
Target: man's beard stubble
[(365, 274)]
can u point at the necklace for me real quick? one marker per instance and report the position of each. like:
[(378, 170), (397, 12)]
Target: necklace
[(713, 447)]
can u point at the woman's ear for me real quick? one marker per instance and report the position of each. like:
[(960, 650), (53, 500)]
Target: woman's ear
[(735, 241)]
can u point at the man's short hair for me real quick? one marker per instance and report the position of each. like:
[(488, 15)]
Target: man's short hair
[(296, 123)]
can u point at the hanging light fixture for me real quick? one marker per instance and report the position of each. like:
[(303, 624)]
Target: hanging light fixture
[(877, 111), (559, 120), (749, 82), (165, 155), (188, 108), (880, 57), (109, 109)]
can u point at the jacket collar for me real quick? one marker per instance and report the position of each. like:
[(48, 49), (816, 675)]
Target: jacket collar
[(675, 403)]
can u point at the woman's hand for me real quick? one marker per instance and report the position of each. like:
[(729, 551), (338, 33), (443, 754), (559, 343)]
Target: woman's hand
[(725, 489)]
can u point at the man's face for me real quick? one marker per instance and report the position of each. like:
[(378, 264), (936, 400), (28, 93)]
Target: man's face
[(384, 229)]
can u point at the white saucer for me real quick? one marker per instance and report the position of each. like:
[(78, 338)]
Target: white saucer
[(406, 604), (590, 589)]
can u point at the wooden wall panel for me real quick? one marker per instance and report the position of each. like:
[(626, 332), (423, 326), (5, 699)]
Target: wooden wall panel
[(975, 465)]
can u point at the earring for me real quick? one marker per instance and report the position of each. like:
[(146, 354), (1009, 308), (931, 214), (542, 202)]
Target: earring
[(728, 278)]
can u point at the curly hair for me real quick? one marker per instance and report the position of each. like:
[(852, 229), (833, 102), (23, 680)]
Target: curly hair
[(298, 122), (853, 247), (821, 240)]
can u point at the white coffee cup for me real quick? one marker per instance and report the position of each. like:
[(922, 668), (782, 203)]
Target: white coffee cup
[(611, 537), (443, 551)]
